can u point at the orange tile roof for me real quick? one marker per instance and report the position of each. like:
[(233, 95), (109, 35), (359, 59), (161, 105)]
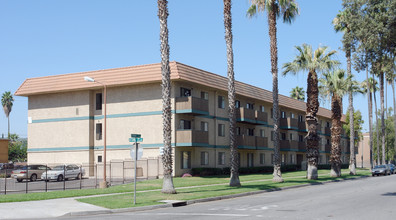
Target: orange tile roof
[(148, 74)]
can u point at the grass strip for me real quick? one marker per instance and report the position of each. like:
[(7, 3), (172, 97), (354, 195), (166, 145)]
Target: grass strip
[(152, 197), (157, 185)]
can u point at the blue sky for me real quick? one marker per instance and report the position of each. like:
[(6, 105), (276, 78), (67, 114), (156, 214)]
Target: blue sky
[(43, 37)]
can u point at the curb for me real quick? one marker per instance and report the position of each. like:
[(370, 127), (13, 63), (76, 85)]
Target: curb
[(211, 199)]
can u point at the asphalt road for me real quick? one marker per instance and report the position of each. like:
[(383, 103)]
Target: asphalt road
[(367, 198)]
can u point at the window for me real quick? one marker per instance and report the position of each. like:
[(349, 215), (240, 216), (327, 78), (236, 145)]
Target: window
[(272, 135), (262, 133), (272, 158), (186, 160), (283, 114), (237, 104), (283, 158), (221, 158), (328, 141), (238, 131), (291, 136), (99, 159), (262, 158), (204, 158), (328, 124), (204, 126), (99, 131), (185, 124), (262, 108), (249, 105), (184, 92), (300, 138), (250, 162), (250, 131), (205, 95), (98, 101), (221, 131), (221, 102), (300, 118), (292, 159), (291, 115), (283, 136)]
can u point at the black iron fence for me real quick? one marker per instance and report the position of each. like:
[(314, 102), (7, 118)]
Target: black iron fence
[(52, 177)]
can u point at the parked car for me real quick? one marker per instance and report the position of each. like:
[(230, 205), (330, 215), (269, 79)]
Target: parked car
[(380, 170), (6, 167), (391, 167), (64, 172), (32, 172)]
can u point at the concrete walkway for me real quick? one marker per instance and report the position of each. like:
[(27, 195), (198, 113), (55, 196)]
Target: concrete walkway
[(70, 206)]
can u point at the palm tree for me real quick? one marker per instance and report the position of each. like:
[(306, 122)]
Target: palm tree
[(340, 25), (335, 85), (390, 78), (167, 186), (7, 101), (234, 178), (288, 9), (316, 62), (298, 93), (369, 86)]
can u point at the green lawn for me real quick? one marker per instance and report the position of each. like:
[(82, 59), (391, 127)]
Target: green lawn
[(252, 182)]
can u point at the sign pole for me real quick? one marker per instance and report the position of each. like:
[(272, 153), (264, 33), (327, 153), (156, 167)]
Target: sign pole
[(136, 155)]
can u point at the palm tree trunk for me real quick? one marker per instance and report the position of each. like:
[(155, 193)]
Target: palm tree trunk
[(335, 155), (167, 161), (370, 110), (352, 159), (8, 118), (312, 121), (382, 116), (376, 126), (277, 175), (394, 109), (234, 178)]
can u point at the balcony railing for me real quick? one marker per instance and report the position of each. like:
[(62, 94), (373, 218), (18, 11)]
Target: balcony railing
[(261, 142), (246, 115), (302, 126), (284, 144), (192, 105), (246, 141), (261, 117), (288, 123), (302, 146), (294, 145), (192, 137)]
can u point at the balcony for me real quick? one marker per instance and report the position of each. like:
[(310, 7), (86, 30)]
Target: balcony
[(327, 148), (327, 131), (191, 137), (261, 117), (192, 105), (246, 115), (294, 145), (284, 144), (245, 141), (302, 126), (261, 142), (288, 123), (302, 146)]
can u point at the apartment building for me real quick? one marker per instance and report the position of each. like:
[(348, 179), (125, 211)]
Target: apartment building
[(65, 119)]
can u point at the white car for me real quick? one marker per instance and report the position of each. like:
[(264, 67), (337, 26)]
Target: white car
[(63, 172)]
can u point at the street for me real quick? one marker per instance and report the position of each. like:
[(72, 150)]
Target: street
[(367, 198)]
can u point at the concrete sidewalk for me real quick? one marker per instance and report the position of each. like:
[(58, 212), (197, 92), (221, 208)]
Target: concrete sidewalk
[(71, 207)]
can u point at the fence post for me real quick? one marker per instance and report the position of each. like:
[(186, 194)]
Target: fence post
[(27, 177), (123, 172), (81, 176), (96, 175), (5, 180), (110, 172), (46, 177), (64, 177)]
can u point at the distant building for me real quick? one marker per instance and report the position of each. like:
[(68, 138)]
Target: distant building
[(65, 119), (363, 152)]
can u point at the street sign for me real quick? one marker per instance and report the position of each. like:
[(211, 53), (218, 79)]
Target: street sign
[(136, 135), (135, 139), (139, 152)]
